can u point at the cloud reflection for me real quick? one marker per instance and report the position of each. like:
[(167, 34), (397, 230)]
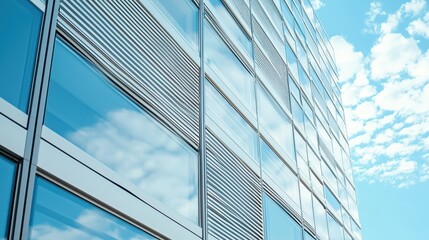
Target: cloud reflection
[(137, 148)]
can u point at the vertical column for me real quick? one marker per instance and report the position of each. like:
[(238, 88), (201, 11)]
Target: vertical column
[(202, 128), (28, 167)]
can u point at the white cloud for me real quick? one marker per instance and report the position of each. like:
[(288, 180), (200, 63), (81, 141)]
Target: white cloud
[(355, 91), (366, 110), (317, 4), (420, 27), (374, 11), (360, 139), (391, 22), (392, 54), (400, 149), (384, 137), (414, 6), (349, 61)]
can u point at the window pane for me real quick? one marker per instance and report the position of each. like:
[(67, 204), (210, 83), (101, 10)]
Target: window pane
[(297, 112), (231, 122), (277, 222), (115, 131), (335, 229), (307, 204), (320, 217), (18, 48), (332, 201), (228, 67), (7, 183), (184, 16), (292, 61), (59, 214), (280, 174), (275, 122), (232, 27)]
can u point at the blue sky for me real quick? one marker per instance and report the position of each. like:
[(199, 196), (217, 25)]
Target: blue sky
[(381, 50)]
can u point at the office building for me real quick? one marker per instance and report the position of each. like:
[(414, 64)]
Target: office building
[(171, 119)]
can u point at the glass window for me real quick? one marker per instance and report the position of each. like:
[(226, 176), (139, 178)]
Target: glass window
[(307, 204), (330, 177), (230, 121), (184, 16), (356, 231), (335, 229), (310, 130), (278, 224), (320, 219), (59, 214), (305, 81), (275, 122), (294, 89), (314, 162), (292, 61), (7, 183), (280, 173), (287, 15), (332, 201), (297, 112), (18, 48), (86, 109), (317, 185), (232, 27), (228, 67)]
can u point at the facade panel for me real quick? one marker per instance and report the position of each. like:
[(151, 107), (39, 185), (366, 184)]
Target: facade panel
[(102, 116)]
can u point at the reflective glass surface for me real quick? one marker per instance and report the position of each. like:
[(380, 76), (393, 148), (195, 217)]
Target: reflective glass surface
[(18, 49), (335, 229), (332, 201), (59, 214), (229, 121), (232, 27), (280, 174), (307, 204), (220, 58), (87, 110), (278, 224), (292, 61), (297, 112), (275, 122), (320, 220), (184, 16), (7, 183)]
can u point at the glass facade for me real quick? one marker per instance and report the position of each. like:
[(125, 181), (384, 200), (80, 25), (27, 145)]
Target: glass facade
[(120, 134), (18, 47), (120, 154), (7, 186), (59, 214)]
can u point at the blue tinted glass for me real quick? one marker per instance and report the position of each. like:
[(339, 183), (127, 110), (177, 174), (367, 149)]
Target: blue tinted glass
[(275, 122), (292, 62), (228, 67), (332, 201), (277, 170), (184, 16), (87, 110), (7, 182), (335, 229), (231, 122), (320, 219), (59, 214), (278, 224), (232, 27), (19, 30)]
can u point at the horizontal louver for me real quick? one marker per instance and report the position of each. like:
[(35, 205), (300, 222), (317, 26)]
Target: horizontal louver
[(124, 38), (234, 195)]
